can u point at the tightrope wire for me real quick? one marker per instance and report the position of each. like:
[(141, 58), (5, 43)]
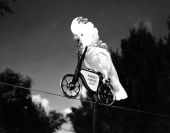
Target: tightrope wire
[(113, 106)]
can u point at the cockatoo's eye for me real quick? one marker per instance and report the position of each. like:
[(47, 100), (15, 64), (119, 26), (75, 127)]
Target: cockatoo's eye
[(81, 34)]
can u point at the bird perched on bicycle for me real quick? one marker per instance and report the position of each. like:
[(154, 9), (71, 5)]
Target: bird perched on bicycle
[(97, 56)]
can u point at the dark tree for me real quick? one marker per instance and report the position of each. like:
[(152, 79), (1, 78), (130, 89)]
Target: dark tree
[(18, 113), (55, 120), (168, 36), (5, 7)]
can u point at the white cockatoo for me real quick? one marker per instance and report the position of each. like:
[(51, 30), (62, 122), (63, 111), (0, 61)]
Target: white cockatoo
[(97, 56)]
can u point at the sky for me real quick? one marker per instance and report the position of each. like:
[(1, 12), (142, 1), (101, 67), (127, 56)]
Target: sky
[(37, 41)]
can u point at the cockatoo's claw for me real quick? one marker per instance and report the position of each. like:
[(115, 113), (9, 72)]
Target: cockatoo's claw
[(104, 80)]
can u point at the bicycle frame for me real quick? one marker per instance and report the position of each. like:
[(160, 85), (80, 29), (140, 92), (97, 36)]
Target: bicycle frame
[(90, 79)]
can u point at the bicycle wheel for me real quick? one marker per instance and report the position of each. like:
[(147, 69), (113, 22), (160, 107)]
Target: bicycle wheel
[(106, 94), (69, 89)]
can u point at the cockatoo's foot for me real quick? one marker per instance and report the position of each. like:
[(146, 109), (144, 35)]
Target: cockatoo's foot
[(105, 80)]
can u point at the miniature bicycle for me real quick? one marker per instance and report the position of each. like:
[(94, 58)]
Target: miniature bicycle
[(71, 87)]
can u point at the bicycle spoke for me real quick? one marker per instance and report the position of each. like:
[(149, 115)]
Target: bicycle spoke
[(65, 80), (77, 86), (65, 85), (75, 91), (70, 91)]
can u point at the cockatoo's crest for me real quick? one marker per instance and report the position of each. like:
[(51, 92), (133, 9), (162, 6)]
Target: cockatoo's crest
[(85, 31)]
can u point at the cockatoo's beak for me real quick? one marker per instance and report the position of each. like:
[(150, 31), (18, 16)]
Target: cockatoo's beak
[(77, 39)]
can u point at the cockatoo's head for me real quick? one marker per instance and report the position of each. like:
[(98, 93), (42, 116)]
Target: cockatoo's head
[(84, 32)]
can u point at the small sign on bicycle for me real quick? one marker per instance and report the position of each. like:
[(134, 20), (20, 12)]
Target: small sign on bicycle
[(91, 78)]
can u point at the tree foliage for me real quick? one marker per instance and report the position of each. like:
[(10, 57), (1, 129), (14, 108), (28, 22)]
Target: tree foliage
[(5, 7), (144, 70), (18, 113)]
